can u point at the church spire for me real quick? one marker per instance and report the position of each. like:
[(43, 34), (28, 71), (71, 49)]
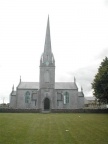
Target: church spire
[(47, 57), (47, 46)]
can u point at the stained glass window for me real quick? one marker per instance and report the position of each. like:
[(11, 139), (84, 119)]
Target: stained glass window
[(66, 97), (27, 97)]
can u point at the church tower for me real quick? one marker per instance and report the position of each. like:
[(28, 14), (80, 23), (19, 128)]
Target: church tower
[(47, 63), (47, 95), (47, 74)]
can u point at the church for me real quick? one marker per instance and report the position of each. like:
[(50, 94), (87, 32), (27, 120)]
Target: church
[(47, 95)]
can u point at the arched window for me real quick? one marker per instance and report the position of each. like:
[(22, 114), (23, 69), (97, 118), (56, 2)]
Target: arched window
[(27, 97), (66, 97)]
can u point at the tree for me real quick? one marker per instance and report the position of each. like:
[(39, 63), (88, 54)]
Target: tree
[(100, 82)]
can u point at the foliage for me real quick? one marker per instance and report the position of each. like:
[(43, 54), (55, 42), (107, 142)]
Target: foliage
[(100, 83), (53, 128)]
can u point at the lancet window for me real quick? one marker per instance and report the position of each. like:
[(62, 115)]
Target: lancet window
[(66, 97), (27, 97)]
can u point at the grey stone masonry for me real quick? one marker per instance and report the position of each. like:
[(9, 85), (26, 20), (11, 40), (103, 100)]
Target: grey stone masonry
[(47, 95)]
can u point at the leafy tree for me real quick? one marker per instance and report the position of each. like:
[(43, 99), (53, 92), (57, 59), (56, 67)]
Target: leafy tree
[(100, 82)]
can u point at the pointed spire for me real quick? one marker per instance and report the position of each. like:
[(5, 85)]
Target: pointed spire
[(47, 46), (13, 88), (74, 79)]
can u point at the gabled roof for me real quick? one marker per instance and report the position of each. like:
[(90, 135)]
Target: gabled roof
[(13, 93), (58, 85), (28, 85), (65, 85)]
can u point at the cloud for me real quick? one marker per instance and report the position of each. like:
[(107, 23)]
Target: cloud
[(84, 77), (102, 54), (106, 2)]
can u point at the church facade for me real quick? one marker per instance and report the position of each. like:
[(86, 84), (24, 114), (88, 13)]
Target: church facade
[(47, 94)]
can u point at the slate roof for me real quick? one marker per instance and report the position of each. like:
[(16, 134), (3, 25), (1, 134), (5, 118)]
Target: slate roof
[(65, 85), (28, 85), (13, 93), (88, 99), (58, 85)]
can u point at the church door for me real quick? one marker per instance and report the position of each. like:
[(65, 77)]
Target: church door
[(46, 104)]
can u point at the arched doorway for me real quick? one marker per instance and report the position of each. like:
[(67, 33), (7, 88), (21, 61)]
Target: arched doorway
[(46, 104)]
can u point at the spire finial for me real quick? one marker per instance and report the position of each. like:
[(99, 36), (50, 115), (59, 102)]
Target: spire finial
[(20, 79), (13, 88)]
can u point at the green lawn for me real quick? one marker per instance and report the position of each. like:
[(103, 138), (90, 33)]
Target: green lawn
[(53, 128)]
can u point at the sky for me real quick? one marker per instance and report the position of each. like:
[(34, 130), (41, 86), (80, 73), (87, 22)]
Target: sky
[(79, 38)]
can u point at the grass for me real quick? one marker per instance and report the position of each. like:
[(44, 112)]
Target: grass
[(53, 128)]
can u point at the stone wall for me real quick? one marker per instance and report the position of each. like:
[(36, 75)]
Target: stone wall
[(79, 111), (6, 110)]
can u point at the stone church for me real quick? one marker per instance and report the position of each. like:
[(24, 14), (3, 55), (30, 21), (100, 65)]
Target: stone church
[(47, 94)]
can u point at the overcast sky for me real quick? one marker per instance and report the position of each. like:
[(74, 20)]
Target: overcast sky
[(79, 37)]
